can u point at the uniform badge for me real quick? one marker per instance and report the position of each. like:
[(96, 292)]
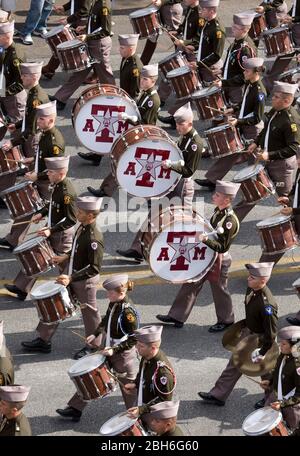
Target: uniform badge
[(163, 380), (219, 34), (135, 72), (94, 245), (268, 310), (194, 147), (261, 96), (293, 127), (67, 199), (55, 150), (16, 62), (130, 317), (228, 225), (298, 371), (150, 104), (105, 11), (35, 103), (201, 22)]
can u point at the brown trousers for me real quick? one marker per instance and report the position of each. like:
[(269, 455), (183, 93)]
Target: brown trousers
[(122, 363), (51, 66), (291, 415), (186, 298), (282, 174), (99, 50), (14, 107)]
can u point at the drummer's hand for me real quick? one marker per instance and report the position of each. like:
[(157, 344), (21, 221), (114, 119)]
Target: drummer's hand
[(265, 384), (63, 21), (80, 28), (264, 155), (63, 279), (7, 145), (58, 9), (157, 3), (45, 232), (28, 160), (217, 83), (32, 176), (11, 127), (81, 37), (36, 218), (283, 200), (90, 339), (165, 164), (173, 32), (259, 9), (58, 259), (192, 65), (178, 43), (130, 388), (107, 351), (286, 211), (251, 148), (133, 412), (287, 20), (275, 405), (232, 121)]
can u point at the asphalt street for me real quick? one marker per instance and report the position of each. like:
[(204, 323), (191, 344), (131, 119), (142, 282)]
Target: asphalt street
[(198, 356)]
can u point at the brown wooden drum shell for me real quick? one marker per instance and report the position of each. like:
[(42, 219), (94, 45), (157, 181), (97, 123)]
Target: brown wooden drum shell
[(258, 26), (277, 43), (66, 34), (52, 309), (76, 58), (146, 25), (7, 167), (94, 384), (224, 142), (176, 60), (185, 85), (203, 104), (257, 188), (37, 259), (23, 201), (278, 238)]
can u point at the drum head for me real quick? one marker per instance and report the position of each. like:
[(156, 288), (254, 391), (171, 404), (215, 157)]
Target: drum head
[(216, 129), (96, 123), (276, 30), (170, 57), (205, 92), (29, 244), (86, 364), (47, 289), (55, 31), (273, 221), (117, 424), (139, 170), (143, 12), (248, 172), (70, 44), (261, 421), (178, 72), (16, 187)]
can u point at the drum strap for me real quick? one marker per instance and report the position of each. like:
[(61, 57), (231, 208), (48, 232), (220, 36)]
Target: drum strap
[(266, 143), (70, 268), (107, 342), (186, 23), (294, 8), (200, 44), (140, 392)]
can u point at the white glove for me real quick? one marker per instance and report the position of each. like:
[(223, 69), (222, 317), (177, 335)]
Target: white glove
[(125, 116), (256, 357)]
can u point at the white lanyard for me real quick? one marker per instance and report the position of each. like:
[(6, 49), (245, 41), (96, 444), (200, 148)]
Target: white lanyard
[(89, 25), (140, 393), (107, 341), (72, 7), (50, 211), (241, 114), (295, 202), (186, 24), (225, 74), (266, 143), (70, 268), (36, 164), (23, 124), (200, 44), (294, 8), (2, 82)]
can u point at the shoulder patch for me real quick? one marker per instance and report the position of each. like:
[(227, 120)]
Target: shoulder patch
[(36, 103), (150, 104), (201, 22), (298, 371), (268, 310), (55, 150), (135, 72), (130, 317), (294, 127), (94, 245), (261, 96), (105, 11), (163, 380), (219, 34), (228, 225), (67, 199), (16, 62)]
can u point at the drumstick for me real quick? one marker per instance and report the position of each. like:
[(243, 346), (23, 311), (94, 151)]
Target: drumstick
[(115, 378), (24, 223), (214, 109), (210, 70), (10, 160), (252, 379), (77, 334), (47, 227)]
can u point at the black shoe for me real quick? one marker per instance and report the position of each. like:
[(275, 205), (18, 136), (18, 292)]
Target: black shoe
[(207, 397), (51, 97), (167, 319), (60, 105), (70, 412), (90, 156), (168, 120), (219, 327), (259, 404), (130, 253), (99, 193), (83, 352), (15, 290), (5, 243), (2, 204), (205, 183), (37, 345), (293, 321)]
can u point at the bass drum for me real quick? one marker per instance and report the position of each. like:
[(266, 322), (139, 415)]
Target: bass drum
[(95, 116)]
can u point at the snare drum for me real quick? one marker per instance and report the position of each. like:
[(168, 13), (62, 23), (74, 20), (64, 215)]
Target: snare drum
[(207, 101), (7, 163), (145, 22), (171, 245), (122, 425), (95, 116), (277, 234), (173, 61), (265, 421), (22, 200), (258, 26), (255, 183), (53, 302), (136, 159), (223, 140), (184, 81), (291, 76), (35, 256), (74, 55), (91, 378), (277, 41), (59, 35)]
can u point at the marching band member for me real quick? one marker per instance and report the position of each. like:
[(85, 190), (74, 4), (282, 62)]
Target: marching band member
[(293, 19), (7, 372), (12, 400), (61, 207), (191, 146), (170, 12), (283, 389), (148, 104), (156, 380), (275, 11), (279, 141), (163, 417), (249, 120), (261, 319), (117, 341), (51, 144), (225, 218)]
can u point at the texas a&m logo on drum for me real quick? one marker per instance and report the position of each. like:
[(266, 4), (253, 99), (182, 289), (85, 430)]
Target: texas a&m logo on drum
[(104, 123)]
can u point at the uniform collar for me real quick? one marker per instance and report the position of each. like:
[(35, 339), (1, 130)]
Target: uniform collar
[(223, 211), (89, 227), (189, 134)]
